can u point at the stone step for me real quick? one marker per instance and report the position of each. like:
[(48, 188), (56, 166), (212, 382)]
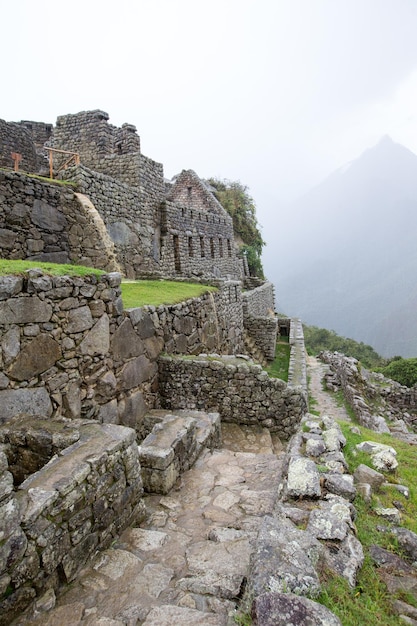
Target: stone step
[(173, 445)]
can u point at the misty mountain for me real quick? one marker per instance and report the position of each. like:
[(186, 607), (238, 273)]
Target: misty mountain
[(351, 253)]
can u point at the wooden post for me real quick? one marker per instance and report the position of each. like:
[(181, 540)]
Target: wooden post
[(16, 160)]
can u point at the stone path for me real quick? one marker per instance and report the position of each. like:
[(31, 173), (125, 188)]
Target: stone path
[(326, 403), (187, 564)]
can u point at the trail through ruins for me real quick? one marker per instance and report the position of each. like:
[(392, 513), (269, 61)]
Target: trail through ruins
[(188, 562)]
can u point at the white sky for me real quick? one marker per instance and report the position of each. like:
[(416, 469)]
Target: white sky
[(274, 93)]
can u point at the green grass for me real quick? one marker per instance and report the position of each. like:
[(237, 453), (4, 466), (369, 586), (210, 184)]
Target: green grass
[(18, 267), (369, 602), (279, 366), (156, 292), (53, 181)]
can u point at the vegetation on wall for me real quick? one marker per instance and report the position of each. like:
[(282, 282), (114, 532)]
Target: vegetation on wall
[(235, 199), (318, 339)]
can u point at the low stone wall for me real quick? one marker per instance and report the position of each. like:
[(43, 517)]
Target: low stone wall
[(49, 222), (78, 503), (259, 301), (263, 331), (360, 389), (239, 390), (297, 369)]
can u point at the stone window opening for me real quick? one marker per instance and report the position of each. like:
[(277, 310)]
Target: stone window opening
[(177, 258), (212, 247), (229, 248), (207, 218), (190, 247), (183, 212), (221, 247), (202, 250)]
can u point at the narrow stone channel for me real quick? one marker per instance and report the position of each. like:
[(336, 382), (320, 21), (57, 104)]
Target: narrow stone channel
[(187, 564)]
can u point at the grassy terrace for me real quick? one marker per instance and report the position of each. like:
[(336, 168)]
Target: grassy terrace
[(134, 293), (140, 292)]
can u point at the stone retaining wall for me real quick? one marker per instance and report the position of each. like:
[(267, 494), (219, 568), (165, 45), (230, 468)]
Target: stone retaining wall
[(260, 301), (263, 331), (68, 348), (78, 503), (239, 390), (49, 222)]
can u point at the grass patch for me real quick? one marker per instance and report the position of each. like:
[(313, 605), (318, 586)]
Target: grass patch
[(45, 179), (279, 366), (18, 267), (370, 603), (155, 292)]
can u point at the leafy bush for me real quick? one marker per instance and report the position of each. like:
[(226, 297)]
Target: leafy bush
[(235, 199), (404, 371)]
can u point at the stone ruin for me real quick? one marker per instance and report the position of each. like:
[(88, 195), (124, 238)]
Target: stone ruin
[(83, 380), (151, 226)]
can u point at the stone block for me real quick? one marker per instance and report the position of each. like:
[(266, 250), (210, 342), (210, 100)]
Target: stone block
[(303, 478), (34, 401), (126, 343), (281, 609), (97, 340), (36, 357), (24, 311)]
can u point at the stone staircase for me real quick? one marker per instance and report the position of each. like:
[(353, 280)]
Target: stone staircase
[(173, 445)]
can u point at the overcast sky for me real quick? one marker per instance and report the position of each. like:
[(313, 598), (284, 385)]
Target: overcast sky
[(274, 93)]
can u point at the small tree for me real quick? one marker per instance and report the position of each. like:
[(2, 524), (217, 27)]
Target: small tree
[(235, 199)]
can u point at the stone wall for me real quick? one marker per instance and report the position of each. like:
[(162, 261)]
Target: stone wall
[(259, 301), (68, 348), (373, 398), (16, 138), (263, 331), (49, 222), (258, 318), (297, 369), (130, 224), (239, 390), (58, 517)]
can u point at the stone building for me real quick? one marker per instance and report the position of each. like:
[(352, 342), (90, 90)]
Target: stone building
[(176, 229)]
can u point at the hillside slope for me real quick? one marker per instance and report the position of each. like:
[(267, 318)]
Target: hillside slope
[(355, 262)]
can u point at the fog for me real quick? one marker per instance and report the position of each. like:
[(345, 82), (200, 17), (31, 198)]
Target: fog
[(274, 93)]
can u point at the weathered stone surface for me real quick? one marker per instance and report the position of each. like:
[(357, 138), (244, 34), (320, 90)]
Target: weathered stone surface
[(341, 485), (142, 320), (167, 615), (315, 447), (303, 478), (114, 563), (11, 344), (24, 311), (79, 319), (71, 401), (34, 401), (9, 286), (126, 343), (132, 409), (36, 357), (345, 558), (48, 217), (334, 439), (324, 525), (136, 371), (285, 560), (144, 540), (385, 461), (287, 609), (97, 340), (407, 541), (365, 474), (391, 514)]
